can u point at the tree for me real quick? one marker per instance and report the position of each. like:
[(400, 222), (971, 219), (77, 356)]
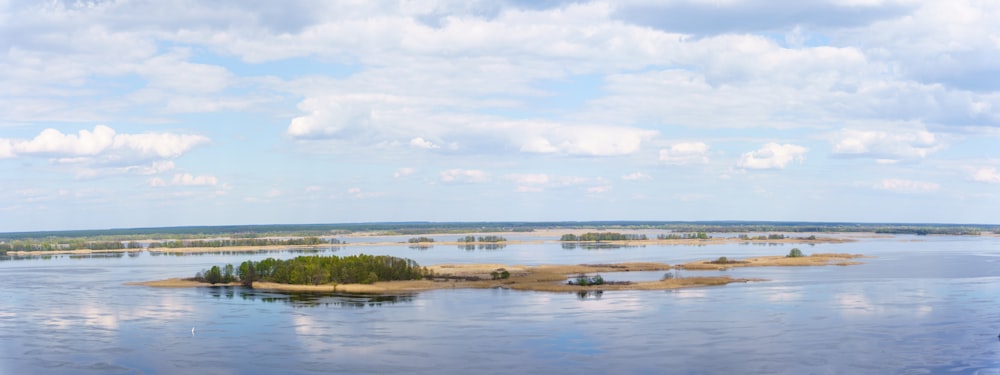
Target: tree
[(795, 253), (213, 275)]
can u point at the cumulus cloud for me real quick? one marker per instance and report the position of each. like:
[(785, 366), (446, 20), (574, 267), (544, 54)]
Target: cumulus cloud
[(772, 156), (685, 153), (637, 176), (419, 142), (886, 145), (187, 179), (539, 182), (329, 117), (589, 140), (102, 141), (906, 186), (599, 189), (464, 176), (403, 172), (359, 193), (986, 174)]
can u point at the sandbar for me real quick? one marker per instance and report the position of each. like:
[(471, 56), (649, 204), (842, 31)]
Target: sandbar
[(776, 261)]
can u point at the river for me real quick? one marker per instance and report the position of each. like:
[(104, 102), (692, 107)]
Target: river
[(920, 305)]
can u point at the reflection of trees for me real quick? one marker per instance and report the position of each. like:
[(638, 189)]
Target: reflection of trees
[(483, 246), (595, 246), (311, 299)]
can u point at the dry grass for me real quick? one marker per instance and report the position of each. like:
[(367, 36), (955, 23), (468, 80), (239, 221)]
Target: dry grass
[(177, 283), (776, 261)]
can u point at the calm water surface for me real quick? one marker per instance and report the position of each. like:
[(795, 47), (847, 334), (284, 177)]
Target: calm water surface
[(924, 305)]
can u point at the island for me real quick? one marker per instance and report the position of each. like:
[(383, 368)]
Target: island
[(387, 274)]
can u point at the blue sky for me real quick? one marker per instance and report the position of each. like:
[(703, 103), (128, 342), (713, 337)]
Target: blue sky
[(164, 113)]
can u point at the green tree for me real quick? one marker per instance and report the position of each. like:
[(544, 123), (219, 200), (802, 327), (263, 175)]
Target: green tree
[(795, 253), (213, 275)]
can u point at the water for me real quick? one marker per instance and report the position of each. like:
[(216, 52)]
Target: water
[(929, 306)]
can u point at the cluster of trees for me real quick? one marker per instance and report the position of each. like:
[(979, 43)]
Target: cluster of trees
[(684, 236), (724, 260), (603, 236), (304, 241), (795, 253), (500, 274), (315, 270), (583, 280), (482, 239), (420, 240)]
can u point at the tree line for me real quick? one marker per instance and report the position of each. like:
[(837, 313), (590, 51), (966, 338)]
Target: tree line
[(315, 270), (230, 242), (603, 236)]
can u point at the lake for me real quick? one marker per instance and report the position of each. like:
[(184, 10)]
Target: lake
[(922, 305)]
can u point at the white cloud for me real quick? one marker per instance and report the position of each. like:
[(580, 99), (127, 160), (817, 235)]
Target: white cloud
[(637, 176), (886, 145), (589, 140), (329, 117), (403, 172), (685, 153), (599, 189), (358, 193), (986, 174), (187, 179), (465, 176), (539, 182), (423, 143), (157, 182), (102, 141), (313, 188), (529, 179), (906, 186), (772, 156)]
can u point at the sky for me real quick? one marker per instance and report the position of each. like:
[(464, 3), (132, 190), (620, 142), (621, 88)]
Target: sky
[(121, 114)]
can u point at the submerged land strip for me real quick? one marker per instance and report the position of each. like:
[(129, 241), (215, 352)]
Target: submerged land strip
[(545, 278), (358, 240)]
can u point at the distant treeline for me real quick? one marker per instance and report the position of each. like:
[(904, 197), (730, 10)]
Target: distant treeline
[(417, 228), (603, 236), (315, 270), (684, 236), (77, 244), (305, 241)]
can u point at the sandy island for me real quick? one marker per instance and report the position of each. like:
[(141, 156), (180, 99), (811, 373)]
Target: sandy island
[(546, 278)]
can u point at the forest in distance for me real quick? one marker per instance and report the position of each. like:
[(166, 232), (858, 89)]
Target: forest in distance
[(311, 234)]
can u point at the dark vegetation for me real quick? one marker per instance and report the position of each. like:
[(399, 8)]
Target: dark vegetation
[(603, 236), (724, 260), (420, 240), (500, 274), (795, 253), (304, 241), (583, 280), (315, 270), (683, 236)]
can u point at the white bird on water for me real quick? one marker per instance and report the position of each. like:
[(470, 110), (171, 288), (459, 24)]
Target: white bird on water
[(192, 331)]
